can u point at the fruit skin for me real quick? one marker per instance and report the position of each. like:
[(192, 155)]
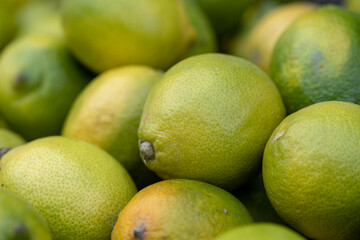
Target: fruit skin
[(104, 34), (261, 231), (107, 113), (270, 27), (39, 80), (19, 220), (208, 118), (318, 59), (77, 187), (179, 209), (311, 173), (9, 138), (7, 24)]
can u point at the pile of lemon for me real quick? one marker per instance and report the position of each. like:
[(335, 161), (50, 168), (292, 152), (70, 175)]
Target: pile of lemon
[(179, 120)]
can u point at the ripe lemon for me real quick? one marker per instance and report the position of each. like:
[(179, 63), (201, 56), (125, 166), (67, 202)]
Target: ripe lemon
[(270, 27), (179, 210), (208, 118), (9, 138), (105, 34), (39, 80), (78, 188), (107, 113), (19, 220), (261, 231), (311, 170), (317, 58)]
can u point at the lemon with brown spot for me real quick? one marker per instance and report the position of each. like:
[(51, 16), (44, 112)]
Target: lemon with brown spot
[(208, 118), (179, 209)]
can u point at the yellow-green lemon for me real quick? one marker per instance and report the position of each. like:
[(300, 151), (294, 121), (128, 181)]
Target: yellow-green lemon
[(208, 118), (77, 187), (261, 231), (19, 220), (107, 113), (179, 209), (254, 47), (317, 58), (311, 170), (7, 24), (39, 80), (105, 34)]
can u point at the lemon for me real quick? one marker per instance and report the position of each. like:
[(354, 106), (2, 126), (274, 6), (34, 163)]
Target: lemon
[(179, 209), (39, 80), (352, 4), (208, 118), (269, 27), (19, 220), (9, 138), (78, 188), (254, 198), (108, 111), (7, 24), (261, 231), (317, 58), (311, 170), (104, 34)]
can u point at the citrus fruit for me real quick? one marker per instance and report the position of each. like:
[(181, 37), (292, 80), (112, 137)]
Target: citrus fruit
[(107, 113), (208, 118), (104, 34), (254, 198), (269, 27), (77, 187), (39, 80), (19, 220), (317, 58), (179, 209), (7, 24), (39, 17), (9, 138), (261, 231), (311, 170)]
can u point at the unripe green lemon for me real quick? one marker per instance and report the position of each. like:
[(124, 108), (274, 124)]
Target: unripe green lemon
[(311, 170), (9, 138), (77, 187), (208, 118)]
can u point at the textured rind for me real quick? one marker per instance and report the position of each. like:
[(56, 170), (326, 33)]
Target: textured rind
[(77, 187), (311, 170), (180, 209), (209, 118), (317, 59)]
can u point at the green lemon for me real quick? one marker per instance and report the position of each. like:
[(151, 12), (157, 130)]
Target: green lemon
[(179, 209), (269, 27), (39, 80), (311, 170), (10, 139), (317, 58), (105, 34), (19, 220), (208, 118), (261, 231), (107, 113), (78, 188)]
